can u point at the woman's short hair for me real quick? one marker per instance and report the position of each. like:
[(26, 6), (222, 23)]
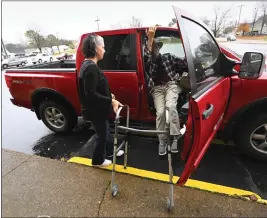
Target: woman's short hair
[(89, 45)]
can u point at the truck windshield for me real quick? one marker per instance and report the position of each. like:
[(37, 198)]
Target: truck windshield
[(172, 45), (171, 42)]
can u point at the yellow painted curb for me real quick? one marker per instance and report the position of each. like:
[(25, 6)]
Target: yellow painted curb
[(165, 177)]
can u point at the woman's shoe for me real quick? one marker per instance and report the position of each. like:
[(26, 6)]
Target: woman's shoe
[(106, 163)]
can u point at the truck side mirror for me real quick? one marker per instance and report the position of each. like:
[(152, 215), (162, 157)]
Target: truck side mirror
[(252, 65)]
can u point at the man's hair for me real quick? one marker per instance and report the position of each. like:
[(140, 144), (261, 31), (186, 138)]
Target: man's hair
[(89, 45)]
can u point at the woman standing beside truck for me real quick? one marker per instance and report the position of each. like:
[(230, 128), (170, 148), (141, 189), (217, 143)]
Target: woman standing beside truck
[(96, 99)]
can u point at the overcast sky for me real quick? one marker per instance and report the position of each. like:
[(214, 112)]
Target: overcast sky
[(71, 19)]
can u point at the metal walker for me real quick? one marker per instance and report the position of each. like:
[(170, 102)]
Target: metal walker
[(127, 130)]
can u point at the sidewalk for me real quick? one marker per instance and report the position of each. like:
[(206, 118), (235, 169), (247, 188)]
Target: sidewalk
[(34, 186)]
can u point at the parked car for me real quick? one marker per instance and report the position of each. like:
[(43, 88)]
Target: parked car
[(13, 61), (222, 94), (231, 37), (47, 58), (40, 58)]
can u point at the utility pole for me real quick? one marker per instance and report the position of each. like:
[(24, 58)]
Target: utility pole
[(237, 23), (240, 12), (97, 20)]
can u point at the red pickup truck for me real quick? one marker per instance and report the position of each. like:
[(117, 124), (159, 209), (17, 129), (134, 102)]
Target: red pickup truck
[(222, 95)]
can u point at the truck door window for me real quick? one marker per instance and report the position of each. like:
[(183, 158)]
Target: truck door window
[(205, 54), (120, 53)]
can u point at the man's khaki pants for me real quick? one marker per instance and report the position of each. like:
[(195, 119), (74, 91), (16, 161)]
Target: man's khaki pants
[(167, 96)]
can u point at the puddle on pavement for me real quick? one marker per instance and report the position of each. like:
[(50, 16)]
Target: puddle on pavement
[(61, 146)]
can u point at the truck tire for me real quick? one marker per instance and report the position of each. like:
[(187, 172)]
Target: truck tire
[(252, 137), (57, 117)]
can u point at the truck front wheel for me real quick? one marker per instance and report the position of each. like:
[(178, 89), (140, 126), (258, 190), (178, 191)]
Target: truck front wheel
[(57, 117), (252, 137)]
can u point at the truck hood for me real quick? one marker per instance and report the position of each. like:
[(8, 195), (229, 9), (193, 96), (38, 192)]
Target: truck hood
[(264, 75)]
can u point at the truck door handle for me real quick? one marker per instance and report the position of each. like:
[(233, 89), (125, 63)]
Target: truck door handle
[(206, 114)]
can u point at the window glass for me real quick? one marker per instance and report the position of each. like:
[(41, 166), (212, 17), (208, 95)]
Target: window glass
[(120, 53), (171, 45), (205, 53)]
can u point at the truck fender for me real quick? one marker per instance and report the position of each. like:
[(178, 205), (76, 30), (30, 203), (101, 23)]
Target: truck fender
[(256, 107), (45, 93)]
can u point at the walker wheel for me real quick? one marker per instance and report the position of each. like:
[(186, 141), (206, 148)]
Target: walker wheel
[(115, 190)]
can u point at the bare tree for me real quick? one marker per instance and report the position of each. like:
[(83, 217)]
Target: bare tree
[(255, 14), (219, 20), (136, 22), (263, 6), (174, 20), (229, 28), (205, 20)]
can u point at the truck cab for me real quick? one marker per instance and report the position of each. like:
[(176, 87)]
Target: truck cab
[(123, 65)]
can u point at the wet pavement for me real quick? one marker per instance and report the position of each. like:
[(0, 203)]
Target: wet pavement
[(22, 131)]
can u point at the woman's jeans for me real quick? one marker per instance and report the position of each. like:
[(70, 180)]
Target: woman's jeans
[(104, 143)]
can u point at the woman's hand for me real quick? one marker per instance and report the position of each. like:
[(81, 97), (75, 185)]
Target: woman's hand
[(116, 104), (113, 96)]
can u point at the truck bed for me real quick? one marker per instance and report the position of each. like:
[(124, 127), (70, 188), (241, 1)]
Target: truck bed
[(63, 64), (49, 78)]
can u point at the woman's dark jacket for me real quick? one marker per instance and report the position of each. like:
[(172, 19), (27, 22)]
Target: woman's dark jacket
[(94, 92)]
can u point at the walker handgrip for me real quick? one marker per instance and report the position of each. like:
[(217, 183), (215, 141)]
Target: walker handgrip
[(119, 111)]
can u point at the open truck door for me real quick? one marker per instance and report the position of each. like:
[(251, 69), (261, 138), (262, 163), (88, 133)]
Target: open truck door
[(210, 90)]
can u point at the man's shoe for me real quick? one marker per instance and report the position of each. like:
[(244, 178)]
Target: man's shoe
[(174, 146), (162, 149), (106, 163)]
